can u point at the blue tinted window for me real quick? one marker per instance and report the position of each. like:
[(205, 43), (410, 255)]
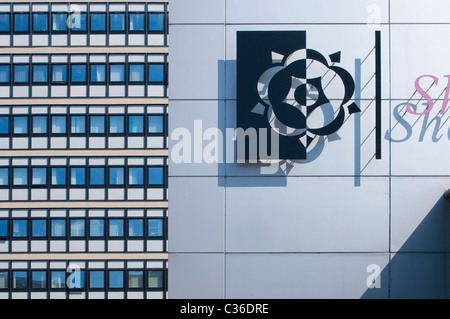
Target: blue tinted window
[(116, 124), (98, 73), (78, 22), (20, 280), (98, 21), (21, 73), (77, 227), (58, 228), (4, 73), (20, 228), (76, 280), (38, 279), (155, 227), (4, 280), (136, 73), (4, 22), (116, 279), (136, 124), (117, 73), (59, 124), (20, 124), (136, 279), (59, 22), (97, 227), (21, 22), (78, 73), (3, 228), (38, 228), (97, 124), (40, 73), (117, 22), (155, 175), (39, 176), (97, 279), (135, 227), (58, 279), (58, 176), (116, 176), (156, 73), (156, 22), (155, 279), (77, 176), (97, 175), (20, 176), (137, 22), (78, 124), (39, 125), (115, 228), (4, 125), (156, 124), (135, 176), (4, 176), (40, 22), (59, 73)]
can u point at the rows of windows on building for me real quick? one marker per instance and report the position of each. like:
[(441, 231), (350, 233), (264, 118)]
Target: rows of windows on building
[(83, 230), (81, 24), (82, 75), (83, 178), (83, 279), (80, 127)]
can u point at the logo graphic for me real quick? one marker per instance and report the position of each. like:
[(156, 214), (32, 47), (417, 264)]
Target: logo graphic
[(296, 91)]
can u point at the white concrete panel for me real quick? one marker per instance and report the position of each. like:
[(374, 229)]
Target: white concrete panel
[(96, 194), (19, 246), (20, 40), (155, 142), (4, 143), (189, 123), (38, 295), (116, 39), (287, 276), (183, 12), (419, 143), (155, 193), (21, 91), (136, 90), (4, 295), (57, 245), (156, 91), (4, 246), (116, 245), (39, 142), (96, 295), (155, 245), (5, 40), (19, 194), (96, 245), (19, 295), (40, 40), (78, 91), (116, 295), (116, 194), (155, 39), (410, 61), (136, 39), (97, 40), (77, 194), (39, 91), (97, 91), (135, 245), (77, 245), (274, 214), (135, 295), (135, 194), (135, 142), (294, 11), (58, 194), (5, 91), (116, 90), (78, 40), (39, 194), (154, 295), (97, 142), (116, 142), (196, 276), (428, 271), (57, 295), (59, 40), (419, 214), (38, 246), (203, 222), (195, 69), (77, 142), (20, 143), (416, 11), (58, 91)]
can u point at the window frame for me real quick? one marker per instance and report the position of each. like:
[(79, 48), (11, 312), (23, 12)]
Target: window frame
[(15, 14), (86, 74), (25, 83), (90, 236), (66, 82), (50, 232), (164, 74), (32, 271), (129, 22), (13, 122), (164, 27), (70, 132), (10, 74), (85, 229), (91, 82), (10, 23), (44, 185), (27, 177), (32, 237), (33, 82), (51, 176), (33, 31), (84, 185), (26, 236), (91, 16), (125, 24), (13, 271), (66, 31), (33, 118), (65, 126)]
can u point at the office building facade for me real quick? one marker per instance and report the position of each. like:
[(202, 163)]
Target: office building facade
[(357, 95), (83, 149)]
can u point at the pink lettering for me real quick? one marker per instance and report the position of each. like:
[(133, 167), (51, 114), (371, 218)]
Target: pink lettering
[(424, 94)]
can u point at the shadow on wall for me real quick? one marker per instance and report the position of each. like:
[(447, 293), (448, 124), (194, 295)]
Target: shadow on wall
[(421, 267)]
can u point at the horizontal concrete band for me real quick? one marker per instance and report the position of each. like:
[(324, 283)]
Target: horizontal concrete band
[(85, 49), (84, 152), (84, 204), (85, 256), (82, 101)]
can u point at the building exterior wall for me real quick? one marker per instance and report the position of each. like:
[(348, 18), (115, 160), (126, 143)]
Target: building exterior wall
[(342, 223), (83, 149)]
